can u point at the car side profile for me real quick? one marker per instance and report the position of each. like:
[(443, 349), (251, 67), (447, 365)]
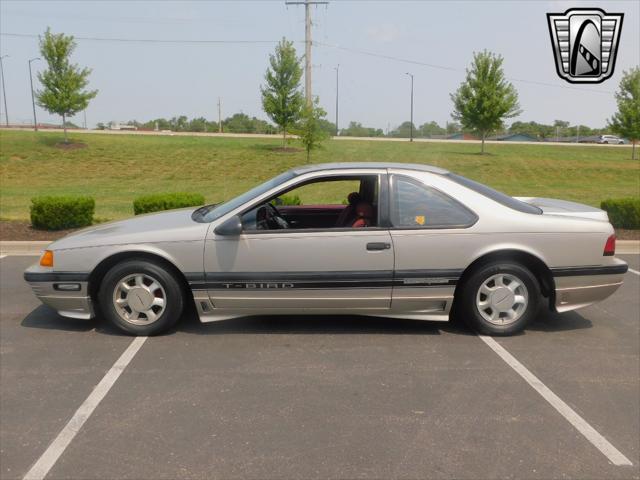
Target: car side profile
[(610, 139), (381, 239)]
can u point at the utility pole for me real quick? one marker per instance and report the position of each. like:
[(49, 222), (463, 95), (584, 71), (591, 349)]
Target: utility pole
[(219, 116), (33, 100), (337, 91), (4, 91), (84, 118), (307, 40), (411, 137)]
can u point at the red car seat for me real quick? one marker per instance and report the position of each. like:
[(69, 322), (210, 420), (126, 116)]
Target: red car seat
[(348, 214), (364, 215)]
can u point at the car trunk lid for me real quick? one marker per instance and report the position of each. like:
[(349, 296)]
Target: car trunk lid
[(553, 206)]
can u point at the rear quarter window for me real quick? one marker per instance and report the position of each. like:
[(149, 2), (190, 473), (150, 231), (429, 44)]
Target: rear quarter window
[(415, 205)]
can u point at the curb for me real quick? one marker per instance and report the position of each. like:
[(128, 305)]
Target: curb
[(34, 248), (628, 247), (8, 247)]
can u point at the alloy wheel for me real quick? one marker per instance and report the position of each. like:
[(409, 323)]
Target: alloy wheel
[(502, 299), (139, 299)]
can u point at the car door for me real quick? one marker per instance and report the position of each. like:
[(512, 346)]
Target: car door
[(322, 270), (429, 229)]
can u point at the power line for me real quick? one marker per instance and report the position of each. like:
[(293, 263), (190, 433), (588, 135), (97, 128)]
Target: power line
[(148, 40), (323, 44), (455, 69)]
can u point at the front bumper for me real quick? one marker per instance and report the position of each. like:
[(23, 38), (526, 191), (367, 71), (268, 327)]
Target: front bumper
[(65, 292), (583, 286)]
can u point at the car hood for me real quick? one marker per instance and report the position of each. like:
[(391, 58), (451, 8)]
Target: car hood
[(553, 206), (169, 226)]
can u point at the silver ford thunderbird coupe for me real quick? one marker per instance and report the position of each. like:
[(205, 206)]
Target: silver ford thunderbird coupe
[(382, 239)]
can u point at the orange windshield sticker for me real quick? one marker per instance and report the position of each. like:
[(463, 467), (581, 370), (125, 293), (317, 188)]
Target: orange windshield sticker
[(420, 219)]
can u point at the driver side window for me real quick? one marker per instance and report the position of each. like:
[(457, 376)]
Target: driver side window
[(326, 203)]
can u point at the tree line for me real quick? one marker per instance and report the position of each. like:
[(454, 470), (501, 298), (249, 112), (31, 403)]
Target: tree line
[(243, 123)]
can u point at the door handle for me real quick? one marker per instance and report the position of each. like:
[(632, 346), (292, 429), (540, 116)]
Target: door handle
[(378, 246)]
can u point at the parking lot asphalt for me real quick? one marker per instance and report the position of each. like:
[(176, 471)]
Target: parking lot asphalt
[(319, 397)]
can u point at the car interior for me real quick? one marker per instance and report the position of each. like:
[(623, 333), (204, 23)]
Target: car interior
[(330, 202)]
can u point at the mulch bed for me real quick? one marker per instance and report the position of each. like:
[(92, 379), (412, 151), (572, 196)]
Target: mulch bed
[(16, 230), (622, 234)]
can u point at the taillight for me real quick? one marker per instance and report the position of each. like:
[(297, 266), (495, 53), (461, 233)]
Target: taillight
[(610, 246)]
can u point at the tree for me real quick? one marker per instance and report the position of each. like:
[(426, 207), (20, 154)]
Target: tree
[(453, 127), (63, 83), (310, 129), (355, 129), (560, 127), (403, 131), (327, 126), (430, 129), (626, 121), (282, 100), (485, 98)]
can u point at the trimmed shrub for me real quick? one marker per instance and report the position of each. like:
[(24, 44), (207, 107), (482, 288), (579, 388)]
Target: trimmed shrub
[(623, 212), (288, 200), (166, 201), (58, 213)]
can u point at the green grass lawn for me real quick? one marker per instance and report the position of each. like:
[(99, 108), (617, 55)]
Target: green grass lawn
[(116, 168)]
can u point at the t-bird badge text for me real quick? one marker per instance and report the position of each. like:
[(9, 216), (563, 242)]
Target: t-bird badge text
[(585, 43)]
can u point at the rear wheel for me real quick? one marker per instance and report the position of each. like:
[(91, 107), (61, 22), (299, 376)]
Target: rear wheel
[(499, 298), (141, 297)]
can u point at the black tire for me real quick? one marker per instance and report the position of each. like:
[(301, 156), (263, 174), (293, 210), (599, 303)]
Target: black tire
[(469, 311), (169, 290)]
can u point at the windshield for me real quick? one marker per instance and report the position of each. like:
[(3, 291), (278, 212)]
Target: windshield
[(213, 212), (495, 195)]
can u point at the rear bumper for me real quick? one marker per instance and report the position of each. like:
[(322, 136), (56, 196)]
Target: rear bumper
[(65, 292), (578, 287)]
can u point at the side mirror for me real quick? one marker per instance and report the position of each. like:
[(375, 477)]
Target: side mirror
[(230, 228)]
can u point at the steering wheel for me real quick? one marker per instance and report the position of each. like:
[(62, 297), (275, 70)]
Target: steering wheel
[(268, 218)]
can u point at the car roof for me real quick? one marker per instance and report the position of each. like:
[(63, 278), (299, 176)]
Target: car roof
[(320, 167)]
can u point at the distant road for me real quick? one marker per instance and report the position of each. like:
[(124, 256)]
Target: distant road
[(262, 135)]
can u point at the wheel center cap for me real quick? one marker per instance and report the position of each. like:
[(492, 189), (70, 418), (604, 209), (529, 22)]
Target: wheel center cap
[(502, 299), (140, 299)]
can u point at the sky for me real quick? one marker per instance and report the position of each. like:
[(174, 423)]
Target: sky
[(374, 42)]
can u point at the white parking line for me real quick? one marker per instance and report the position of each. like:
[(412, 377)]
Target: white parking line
[(634, 271), (64, 438), (590, 433)]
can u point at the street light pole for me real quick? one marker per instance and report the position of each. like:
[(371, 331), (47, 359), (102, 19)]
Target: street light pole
[(33, 100), (337, 91), (411, 126), (4, 91)]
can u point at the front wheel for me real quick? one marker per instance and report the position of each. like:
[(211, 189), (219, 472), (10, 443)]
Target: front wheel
[(140, 297), (499, 298)]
